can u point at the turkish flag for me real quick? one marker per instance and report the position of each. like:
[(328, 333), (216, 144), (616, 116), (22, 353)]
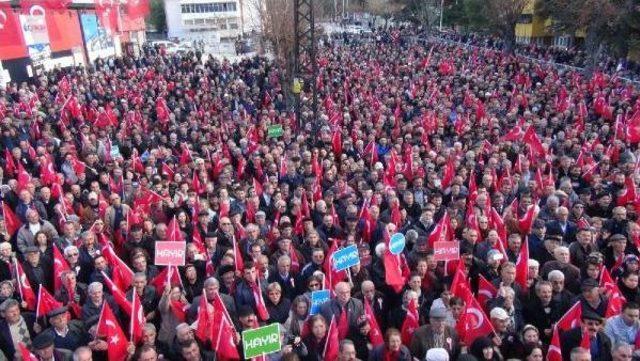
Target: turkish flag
[(629, 194), (226, 349), (442, 230), (118, 294), (531, 138), (9, 161), (196, 184), (411, 322), (396, 215), (616, 300), (109, 329), (261, 307), (522, 266), (11, 221), (47, 4), (473, 322), (393, 272), (375, 334), (60, 265), (486, 290), (283, 167), (24, 178), (173, 231), (136, 330), (107, 12), (137, 8), (555, 352), (48, 173), (185, 155), (10, 31), (571, 318), (46, 302), (332, 277), (179, 309), (513, 135), (633, 128), (24, 287), (169, 275), (332, 345), (121, 273), (526, 222), (496, 222), (205, 319), (26, 354), (237, 256), (460, 285), (166, 170), (336, 143)]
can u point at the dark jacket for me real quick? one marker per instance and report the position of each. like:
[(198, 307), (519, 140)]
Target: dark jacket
[(355, 309), (571, 339), (377, 354), (423, 340)]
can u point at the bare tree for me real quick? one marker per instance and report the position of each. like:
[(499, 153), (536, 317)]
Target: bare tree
[(597, 18), (385, 9), (277, 32), (502, 16)]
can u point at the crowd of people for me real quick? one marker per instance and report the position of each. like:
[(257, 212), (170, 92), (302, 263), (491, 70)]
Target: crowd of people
[(527, 171), (572, 55)]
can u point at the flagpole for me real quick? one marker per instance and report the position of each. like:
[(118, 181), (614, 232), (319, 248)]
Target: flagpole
[(99, 319), (349, 275), (133, 316), (38, 302), (15, 261)]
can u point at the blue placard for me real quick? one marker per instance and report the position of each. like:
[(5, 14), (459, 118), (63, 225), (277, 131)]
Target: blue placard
[(397, 243), (346, 258), (317, 299)]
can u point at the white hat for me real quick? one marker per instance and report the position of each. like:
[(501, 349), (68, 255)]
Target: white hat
[(499, 313), (437, 354)]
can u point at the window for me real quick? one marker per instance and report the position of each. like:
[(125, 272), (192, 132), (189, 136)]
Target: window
[(208, 8), (233, 26)]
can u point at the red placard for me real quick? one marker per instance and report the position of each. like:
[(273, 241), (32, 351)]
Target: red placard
[(446, 251), (170, 253)]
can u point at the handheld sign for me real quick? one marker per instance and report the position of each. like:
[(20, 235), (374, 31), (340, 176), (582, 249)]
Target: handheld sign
[(446, 251), (261, 341), (397, 243), (317, 299), (275, 131), (346, 258), (170, 253)]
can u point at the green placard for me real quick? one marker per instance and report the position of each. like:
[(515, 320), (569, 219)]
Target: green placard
[(261, 341), (275, 131)]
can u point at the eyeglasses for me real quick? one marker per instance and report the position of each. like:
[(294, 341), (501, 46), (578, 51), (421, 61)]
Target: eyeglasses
[(314, 285), (225, 224), (74, 254)]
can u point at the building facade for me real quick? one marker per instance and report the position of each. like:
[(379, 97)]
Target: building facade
[(36, 40), (207, 19), (532, 28)]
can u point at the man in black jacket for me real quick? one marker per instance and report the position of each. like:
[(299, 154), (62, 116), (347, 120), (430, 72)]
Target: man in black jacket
[(600, 345)]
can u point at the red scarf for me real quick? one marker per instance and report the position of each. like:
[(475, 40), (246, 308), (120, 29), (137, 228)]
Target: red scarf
[(391, 355)]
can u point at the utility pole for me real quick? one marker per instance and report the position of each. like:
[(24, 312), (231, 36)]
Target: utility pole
[(305, 64), (441, 13)]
